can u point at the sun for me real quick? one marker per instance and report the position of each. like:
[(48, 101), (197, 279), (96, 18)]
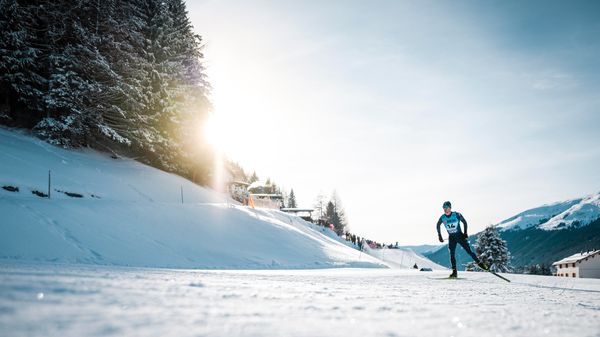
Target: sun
[(214, 133)]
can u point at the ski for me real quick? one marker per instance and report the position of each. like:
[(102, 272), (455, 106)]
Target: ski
[(500, 276), (446, 278)]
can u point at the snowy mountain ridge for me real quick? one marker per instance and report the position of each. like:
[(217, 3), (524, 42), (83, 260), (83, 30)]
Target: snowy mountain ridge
[(556, 216)]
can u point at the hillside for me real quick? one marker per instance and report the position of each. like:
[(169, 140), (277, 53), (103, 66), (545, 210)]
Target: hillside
[(402, 258), (544, 234), (556, 216), (120, 212), (533, 217)]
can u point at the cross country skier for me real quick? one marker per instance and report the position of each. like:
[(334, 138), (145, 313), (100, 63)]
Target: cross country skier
[(451, 221)]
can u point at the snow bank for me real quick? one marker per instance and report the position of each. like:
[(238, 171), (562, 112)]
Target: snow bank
[(131, 214)]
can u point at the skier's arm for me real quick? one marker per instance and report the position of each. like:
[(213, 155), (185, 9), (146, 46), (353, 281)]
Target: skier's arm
[(462, 219), (438, 226)]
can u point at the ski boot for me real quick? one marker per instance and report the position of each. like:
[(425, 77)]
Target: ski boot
[(454, 274)]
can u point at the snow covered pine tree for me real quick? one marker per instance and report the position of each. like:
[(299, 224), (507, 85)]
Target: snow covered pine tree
[(492, 250), (292, 200), (122, 76)]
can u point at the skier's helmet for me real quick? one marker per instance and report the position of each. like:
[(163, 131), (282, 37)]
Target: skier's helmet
[(447, 204)]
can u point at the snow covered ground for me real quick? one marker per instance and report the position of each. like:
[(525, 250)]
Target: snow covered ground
[(130, 214), (71, 300)]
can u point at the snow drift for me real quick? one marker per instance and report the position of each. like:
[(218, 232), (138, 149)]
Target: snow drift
[(120, 212)]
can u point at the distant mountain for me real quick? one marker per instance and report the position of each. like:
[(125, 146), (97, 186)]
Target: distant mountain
[(423, 249), (556, 216), (543, 234), (535, 216)]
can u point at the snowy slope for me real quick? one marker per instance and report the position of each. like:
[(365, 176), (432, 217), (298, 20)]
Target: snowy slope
[(402, 258), (558, 215), (132, 214)]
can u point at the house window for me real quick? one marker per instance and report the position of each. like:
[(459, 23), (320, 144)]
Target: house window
[(573, 274), (560, 266), (573, 265)]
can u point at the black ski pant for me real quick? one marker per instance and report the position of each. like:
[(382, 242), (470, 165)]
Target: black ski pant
[(459, 239)]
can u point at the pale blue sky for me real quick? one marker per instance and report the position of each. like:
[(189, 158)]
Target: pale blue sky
[(400, 105)]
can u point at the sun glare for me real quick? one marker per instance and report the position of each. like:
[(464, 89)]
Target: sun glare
[(214, 133)]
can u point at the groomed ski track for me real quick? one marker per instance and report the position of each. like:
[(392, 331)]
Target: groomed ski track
[(77, 300)]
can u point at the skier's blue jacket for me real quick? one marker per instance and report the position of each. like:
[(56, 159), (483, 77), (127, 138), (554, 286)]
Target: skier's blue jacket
[(452, 223)]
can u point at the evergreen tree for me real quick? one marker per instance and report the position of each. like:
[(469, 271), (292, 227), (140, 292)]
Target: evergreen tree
[(292, 200), (331, 214), (112, 74), (492, 250), (83, 88), (271, 187), (253, 177), (236, 171), (23, 41), (334, 213), (176, 87), (537, 269), (320, 205), (120, 26)]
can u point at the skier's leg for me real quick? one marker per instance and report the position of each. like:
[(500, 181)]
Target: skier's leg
[(452, 249), (465, 244)]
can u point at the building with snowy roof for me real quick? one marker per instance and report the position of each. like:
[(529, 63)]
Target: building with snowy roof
[(303, 213), (585, 265)]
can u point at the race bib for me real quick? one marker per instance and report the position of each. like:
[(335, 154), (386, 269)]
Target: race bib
[(451, 227)]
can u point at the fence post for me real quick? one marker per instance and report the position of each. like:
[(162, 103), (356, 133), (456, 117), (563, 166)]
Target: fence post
[(49, 178)]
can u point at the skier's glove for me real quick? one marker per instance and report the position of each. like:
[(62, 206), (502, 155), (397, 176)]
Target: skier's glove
[(440, 238), (465, 235)]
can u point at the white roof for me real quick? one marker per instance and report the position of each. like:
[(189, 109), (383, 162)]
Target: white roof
[(577, 257), (238, 182)]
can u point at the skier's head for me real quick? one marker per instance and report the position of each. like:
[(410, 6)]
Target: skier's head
[(447, 206)]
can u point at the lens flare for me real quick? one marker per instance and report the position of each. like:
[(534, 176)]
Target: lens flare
[(214, 133)]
